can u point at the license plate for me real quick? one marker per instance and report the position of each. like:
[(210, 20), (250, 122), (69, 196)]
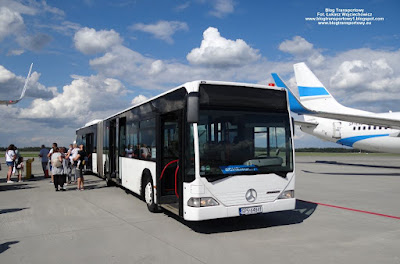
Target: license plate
[(250, 210)]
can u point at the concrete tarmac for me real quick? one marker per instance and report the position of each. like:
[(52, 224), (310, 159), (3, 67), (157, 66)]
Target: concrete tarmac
[(109, 225)]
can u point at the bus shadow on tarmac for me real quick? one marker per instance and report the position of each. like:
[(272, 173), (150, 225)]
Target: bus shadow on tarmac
[(302, 211)]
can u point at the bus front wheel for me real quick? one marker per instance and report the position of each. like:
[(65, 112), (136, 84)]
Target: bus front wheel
[(149, 195), (109, 183)]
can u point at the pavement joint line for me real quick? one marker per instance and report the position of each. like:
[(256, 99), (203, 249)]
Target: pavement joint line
[(353, 210)]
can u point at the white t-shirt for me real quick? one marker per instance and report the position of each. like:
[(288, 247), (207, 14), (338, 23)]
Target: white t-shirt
[(43, 152), (10, 156), (74, 153)]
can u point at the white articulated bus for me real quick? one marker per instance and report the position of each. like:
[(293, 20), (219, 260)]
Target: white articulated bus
[(203, 150)]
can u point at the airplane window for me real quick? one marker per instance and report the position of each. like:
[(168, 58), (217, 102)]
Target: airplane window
[(380, 127), (359, 128), (354, 128), (369, 127), (364, 128), (374, 127)]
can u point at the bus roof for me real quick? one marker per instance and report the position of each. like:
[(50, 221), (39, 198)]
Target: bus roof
[(190, 87)]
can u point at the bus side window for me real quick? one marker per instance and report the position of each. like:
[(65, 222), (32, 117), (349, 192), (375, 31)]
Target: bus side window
[(147, 139), (132, 134)]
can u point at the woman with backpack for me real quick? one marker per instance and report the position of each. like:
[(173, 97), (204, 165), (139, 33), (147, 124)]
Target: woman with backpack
[(57, 169)]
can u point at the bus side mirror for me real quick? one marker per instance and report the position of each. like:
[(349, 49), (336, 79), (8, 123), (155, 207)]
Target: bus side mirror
[(192, 107)]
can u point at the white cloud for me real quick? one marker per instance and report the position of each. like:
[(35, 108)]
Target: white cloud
[(183, 6), (156, 67), (236, 61), (368, 79), (221, 52), (139, 99), (90, 41), (301, 49), (84, 99), (5, 75), (11, 23), (66, 28), (33, 42), (50, 9), (23, 132), (297, 45), (20, 8), (163, 30), (147, 73), (380, 69), (222, 8), (15, 52)]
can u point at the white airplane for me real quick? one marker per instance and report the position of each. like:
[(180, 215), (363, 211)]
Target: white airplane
[(326, 119), (8, 102)]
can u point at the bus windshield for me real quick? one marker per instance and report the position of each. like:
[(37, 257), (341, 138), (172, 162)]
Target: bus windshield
[(244, 142)]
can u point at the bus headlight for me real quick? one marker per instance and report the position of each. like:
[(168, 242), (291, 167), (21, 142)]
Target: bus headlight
[(202, 202), (286, 195)]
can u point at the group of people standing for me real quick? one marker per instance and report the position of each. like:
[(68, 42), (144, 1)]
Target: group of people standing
[(15, 163), (65, 166)]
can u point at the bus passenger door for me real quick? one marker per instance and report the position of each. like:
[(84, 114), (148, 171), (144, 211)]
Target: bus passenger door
[(169, 174), (113, 154), (89, 150), (121, 147)]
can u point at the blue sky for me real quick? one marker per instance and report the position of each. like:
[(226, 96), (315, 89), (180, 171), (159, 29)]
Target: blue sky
[(93, 58)]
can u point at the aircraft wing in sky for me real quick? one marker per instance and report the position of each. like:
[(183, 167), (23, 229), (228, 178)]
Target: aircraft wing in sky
[(8, 102)]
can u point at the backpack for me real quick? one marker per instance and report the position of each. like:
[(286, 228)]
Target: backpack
[(55, 162), (18, 163)]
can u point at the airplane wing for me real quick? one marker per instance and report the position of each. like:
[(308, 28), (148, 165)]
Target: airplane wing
[(305, 123), (361, 117), (8, 102), (371, 119)]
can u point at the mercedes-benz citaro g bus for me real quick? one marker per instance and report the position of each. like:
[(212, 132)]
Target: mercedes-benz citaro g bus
[(203, 150)]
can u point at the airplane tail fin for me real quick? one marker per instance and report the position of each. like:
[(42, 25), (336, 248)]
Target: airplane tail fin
[(26, 83), (312, 92), (309, 85)]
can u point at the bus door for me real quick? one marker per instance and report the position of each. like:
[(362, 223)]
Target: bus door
[(89, 150), (169, 175), (121, 146), (113, 154)]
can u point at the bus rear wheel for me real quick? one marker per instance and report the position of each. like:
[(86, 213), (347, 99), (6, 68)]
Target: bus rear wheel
[(149, 195)]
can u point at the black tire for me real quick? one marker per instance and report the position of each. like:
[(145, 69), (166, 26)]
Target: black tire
[(109, 182), (148, 194)]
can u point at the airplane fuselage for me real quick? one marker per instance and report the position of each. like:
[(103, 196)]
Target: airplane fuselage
[(355, 135)]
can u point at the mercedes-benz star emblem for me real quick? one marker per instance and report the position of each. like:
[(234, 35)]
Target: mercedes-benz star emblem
[(251, 195)]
